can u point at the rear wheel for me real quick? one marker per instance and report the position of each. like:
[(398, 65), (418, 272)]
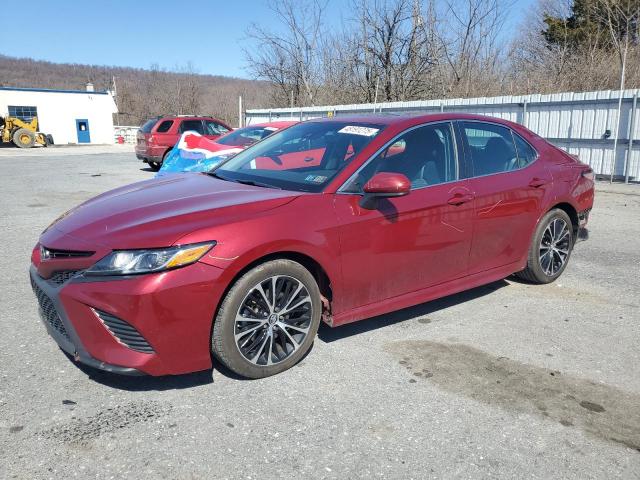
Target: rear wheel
[(550, 248), (268, 320), (155, 166), (24, 138)]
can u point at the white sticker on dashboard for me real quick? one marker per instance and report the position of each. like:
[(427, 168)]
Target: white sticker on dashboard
[(355, 130)]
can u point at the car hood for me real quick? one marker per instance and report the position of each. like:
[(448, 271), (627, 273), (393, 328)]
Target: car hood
[(158, 212)]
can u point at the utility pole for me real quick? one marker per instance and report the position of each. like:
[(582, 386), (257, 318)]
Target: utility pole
[(115, 99), (615, 141), (375, 98)]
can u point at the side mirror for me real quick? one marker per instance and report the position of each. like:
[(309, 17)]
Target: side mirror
[(384, 185)]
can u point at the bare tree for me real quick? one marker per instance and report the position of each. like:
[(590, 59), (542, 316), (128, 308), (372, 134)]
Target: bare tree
[(290, 59), (470, 39)]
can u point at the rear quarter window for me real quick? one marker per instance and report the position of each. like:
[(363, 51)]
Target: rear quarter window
[(526, 153), (165, 126)]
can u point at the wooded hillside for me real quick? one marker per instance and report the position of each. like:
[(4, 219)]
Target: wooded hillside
[(143, 93)]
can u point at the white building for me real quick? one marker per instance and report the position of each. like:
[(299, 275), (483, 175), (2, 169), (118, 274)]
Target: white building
[(70, 116)]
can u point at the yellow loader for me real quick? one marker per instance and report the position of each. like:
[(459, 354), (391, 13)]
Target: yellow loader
[(21, 133)]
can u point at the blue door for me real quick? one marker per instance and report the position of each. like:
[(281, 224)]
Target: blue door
[(82, 127)]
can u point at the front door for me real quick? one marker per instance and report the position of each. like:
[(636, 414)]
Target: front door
[(82, 128), (405, 244)]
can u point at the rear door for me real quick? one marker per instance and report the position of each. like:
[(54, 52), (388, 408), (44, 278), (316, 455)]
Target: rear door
[(509, 186), (406, 243)]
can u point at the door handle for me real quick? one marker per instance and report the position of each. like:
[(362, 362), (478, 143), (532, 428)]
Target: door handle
[(537, 182), (460, 198)]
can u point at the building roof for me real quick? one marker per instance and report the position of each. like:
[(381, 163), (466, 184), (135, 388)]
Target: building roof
[(53, 90)]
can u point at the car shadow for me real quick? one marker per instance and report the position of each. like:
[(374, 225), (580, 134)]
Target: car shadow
[(144, 382), (328, 334), (325, 334), (148, 169)]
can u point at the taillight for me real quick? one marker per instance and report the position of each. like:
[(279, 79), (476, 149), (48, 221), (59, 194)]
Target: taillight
[(150, 139), (588, 174)]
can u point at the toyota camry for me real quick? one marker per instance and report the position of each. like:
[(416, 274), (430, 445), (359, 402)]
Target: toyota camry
[(331, 220)]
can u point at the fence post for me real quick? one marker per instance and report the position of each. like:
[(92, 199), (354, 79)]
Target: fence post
[(524, 114), (617, 132), (632, 127), (240, 119)]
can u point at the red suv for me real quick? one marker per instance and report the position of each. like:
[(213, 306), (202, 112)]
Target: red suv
[(158, 135)]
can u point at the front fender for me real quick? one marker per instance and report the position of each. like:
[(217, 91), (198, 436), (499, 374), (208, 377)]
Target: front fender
[(305, 226)]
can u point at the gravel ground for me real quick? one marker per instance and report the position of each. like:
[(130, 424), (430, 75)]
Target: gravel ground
[(508, 380)]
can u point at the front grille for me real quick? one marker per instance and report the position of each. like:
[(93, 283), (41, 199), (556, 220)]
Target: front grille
[(124, 333), (48, 311), (48, 253), (61, 276)]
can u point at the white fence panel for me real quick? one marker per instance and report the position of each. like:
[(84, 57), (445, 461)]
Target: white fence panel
[(583, 123)]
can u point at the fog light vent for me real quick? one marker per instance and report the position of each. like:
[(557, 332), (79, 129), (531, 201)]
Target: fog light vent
[(124, 333)]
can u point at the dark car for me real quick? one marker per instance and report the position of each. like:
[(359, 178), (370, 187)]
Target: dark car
[(245, 261), (158, 135)]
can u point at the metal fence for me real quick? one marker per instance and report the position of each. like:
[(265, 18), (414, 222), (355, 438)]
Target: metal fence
[(585, 124)]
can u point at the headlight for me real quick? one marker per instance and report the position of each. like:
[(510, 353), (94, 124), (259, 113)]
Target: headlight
[(131, 262)]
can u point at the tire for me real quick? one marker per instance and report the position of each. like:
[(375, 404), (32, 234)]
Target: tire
[(550, 248), (24, 138), (272, 340), (49, 138), (155, 166)]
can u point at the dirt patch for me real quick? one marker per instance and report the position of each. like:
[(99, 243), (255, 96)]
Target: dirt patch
[(81, 430), (598, 409)]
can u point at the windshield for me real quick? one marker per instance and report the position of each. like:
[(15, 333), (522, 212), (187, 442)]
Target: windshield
[(304, 157), (243, 137)]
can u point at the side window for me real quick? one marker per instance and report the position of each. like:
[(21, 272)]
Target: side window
[(23, 113), (425, 155), (215, 128), (165, 126), (526, 153), (492, 148), (194, 125)]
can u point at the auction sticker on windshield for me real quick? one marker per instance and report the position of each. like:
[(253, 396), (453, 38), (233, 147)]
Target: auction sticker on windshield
[(355, 130)]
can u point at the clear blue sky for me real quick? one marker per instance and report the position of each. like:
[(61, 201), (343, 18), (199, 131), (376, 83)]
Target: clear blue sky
[(139, 33)]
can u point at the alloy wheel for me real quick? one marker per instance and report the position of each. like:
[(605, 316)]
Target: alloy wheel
[(273, 320), (554, 246)]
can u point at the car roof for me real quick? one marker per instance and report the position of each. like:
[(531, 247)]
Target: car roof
[(278, 124), (410, 119), (187, 117)]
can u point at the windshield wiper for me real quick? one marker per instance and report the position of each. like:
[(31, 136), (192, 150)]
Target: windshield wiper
[(244, 182), (257, 184), (220, 177)]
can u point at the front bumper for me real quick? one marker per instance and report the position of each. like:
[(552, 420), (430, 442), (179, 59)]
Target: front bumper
[(172, 310)]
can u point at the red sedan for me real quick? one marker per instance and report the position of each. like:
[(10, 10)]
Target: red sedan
[(335, 220)]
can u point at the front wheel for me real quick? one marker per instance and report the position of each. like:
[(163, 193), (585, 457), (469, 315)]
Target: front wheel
[(268, 320), (24, 138), (550, 248)]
